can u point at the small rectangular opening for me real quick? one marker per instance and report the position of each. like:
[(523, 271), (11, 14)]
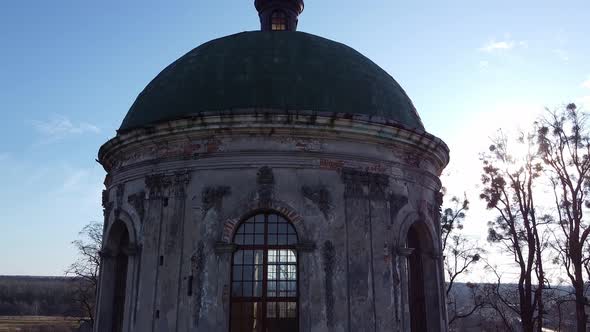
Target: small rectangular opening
[(190, 286), (161, 260)]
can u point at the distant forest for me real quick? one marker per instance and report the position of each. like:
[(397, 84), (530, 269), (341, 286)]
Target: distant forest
[(38, 296)]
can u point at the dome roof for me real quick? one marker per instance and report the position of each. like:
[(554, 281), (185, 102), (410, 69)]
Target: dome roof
[(278, 71)]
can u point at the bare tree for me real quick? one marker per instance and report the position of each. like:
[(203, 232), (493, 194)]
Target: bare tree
[(564, 143), (509, 188), (86, 267), (460, 255)]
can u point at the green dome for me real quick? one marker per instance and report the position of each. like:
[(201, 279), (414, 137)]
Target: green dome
[(278, 71)]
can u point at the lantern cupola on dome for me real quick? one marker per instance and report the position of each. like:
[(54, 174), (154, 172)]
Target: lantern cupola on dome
[(279, 15)]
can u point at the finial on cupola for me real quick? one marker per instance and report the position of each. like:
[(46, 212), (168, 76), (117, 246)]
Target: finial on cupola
[(279, 15)]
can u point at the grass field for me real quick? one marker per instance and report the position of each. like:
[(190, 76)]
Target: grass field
[(38, 324)]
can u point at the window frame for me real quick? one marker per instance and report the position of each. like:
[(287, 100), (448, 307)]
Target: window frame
[(280, 15), (264, 299)]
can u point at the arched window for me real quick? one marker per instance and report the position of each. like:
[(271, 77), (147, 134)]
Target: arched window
[(278, 21), (264, 276)]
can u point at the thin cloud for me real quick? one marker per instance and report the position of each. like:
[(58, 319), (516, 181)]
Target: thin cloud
[(74, 179), (586, 84), (562, 54), (59, 127), (501, 45)]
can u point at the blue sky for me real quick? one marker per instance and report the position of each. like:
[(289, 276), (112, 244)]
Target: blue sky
[(70, 70)]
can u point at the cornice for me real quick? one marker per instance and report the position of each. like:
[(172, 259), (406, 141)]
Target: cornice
[(336, 126)]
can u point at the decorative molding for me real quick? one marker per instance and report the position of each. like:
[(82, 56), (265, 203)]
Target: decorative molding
[(180, 180), (404, 251), (305, 246), (230, 225), (105, 198), (412, 159), (355, 183), (438, 198), (396, 203), (362, 184), (137, 200), (162, 185), (190, 136), (265, 180), (378, 184), (320, 196), (119, 195), (157, 184), (225, 248), (107, 205), (212, 197)]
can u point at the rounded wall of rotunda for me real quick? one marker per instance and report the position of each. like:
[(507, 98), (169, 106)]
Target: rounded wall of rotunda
[(351, 186)]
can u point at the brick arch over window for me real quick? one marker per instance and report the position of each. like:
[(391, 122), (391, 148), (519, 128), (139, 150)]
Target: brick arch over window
[(408, 217), (129, 218), (231, 225)]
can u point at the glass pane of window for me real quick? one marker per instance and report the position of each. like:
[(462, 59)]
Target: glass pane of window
[(271, 310), (247, 272), (271, 288), (237, 272), (247, 289), (258, 272), (271, 272), (248, 239), (291, 256), (291, 309), (237, 289), (272, 256), (259, 239), (282, 239), (259, 228), (248, 257), (283, 228), (257, 292), (238, 257), (259, 257)]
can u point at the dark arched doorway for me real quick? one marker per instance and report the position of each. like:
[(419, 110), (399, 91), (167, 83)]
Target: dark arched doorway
[(121, 262), (416, 289), (114, 275)]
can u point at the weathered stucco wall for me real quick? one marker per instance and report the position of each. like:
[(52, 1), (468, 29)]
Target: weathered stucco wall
[(352, 186)]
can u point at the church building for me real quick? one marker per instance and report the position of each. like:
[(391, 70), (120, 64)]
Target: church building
[(272, 181)]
